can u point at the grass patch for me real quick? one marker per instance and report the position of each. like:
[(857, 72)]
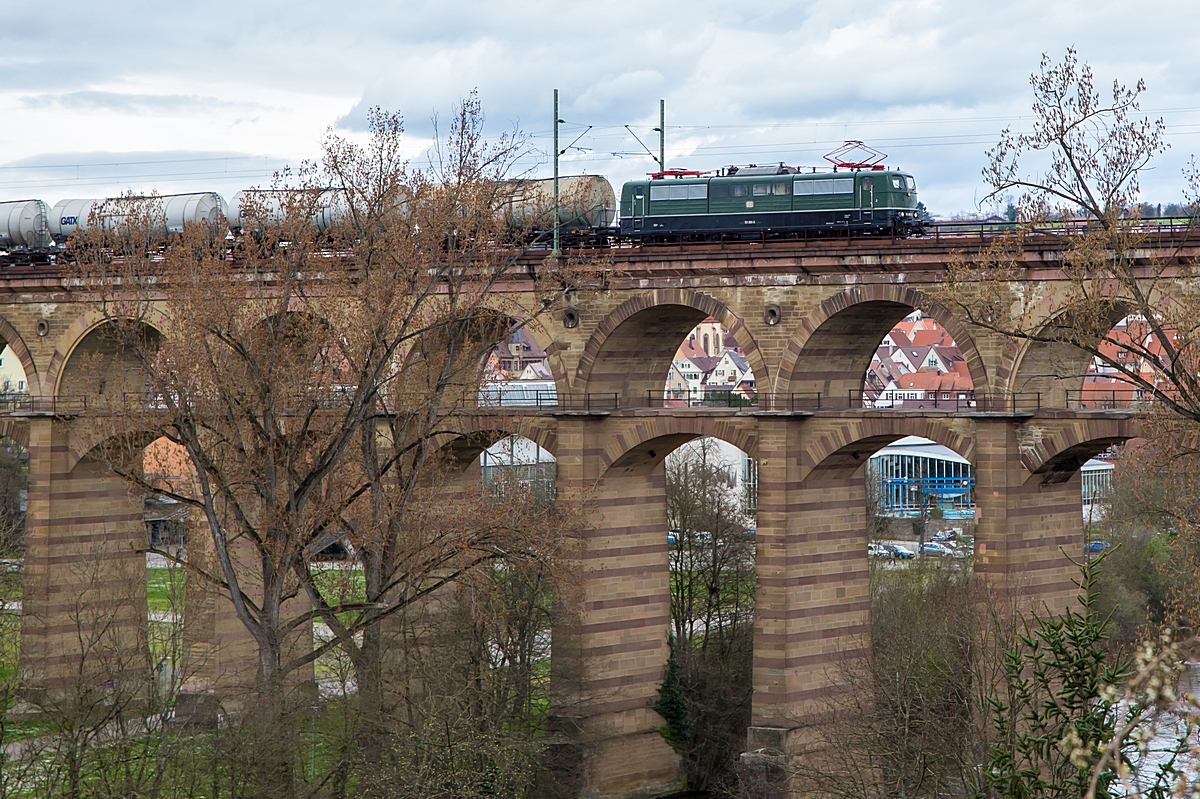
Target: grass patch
[(164, 589)]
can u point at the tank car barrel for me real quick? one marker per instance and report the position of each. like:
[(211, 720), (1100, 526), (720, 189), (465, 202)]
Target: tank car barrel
[(69, 216), (24, 224), (269, 203)]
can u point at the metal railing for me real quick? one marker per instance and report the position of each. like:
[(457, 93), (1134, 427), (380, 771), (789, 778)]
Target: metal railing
[(1090, 399), (1019, 402), (686, 399), (517, 399), (608, 402)]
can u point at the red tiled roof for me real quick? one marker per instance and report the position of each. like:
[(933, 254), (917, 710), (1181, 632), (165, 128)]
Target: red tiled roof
[(931, 338)]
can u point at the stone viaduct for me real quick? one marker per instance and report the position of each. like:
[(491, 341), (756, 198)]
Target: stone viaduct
[(808, 316)]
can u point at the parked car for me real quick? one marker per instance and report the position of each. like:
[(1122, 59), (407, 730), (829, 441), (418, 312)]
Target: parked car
[(1096, 547), (876, 550), (963, 546), (934, 548), (950, 534), (897, 551)]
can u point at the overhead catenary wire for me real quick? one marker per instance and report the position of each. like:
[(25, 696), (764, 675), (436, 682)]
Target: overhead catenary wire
[(603, 145)]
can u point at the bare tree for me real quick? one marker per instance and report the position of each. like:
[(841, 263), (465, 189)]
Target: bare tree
[(712, 608), (1077, 172), (309, 371)]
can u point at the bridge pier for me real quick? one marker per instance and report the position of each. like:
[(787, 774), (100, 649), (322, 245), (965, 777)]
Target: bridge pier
[(1025, 525), (813, 599), (610, 643), (220, 657), (83, 621)]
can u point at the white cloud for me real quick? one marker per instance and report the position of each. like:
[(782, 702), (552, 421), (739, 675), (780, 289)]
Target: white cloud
[(931, 82)]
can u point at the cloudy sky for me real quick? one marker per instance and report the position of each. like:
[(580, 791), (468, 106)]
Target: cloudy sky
[(97, 98)]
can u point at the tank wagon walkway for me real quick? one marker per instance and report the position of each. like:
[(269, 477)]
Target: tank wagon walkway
[(808, 318)]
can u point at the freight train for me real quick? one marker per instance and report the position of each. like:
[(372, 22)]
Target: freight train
[(746, 202)]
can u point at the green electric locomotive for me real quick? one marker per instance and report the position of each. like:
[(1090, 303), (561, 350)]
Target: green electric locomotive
[(768, 201)]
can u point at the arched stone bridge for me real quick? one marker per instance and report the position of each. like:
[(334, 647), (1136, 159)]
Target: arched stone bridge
[(808, 319)]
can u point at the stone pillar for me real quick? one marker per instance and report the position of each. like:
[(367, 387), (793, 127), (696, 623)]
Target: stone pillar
[(220, 656), (1024, 527), (813, 600), (610, 650), (415, 639), (83, 622)]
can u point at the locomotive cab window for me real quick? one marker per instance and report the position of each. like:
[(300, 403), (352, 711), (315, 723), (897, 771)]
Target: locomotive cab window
[(679, 192), (724, 190), (910, 182), (730, 190), (897, 182), (823, 186), (766, 189)]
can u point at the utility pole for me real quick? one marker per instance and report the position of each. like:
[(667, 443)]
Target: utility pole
[(557, 250), (662, 135)]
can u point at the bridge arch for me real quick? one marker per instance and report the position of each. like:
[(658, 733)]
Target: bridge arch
[(83, 334), (645, 443), (830, 349), (845, 445), (16, 431), (1055, 454), (10, 336), (473, 434), (1052, 368), (630, 351), (533, 324)]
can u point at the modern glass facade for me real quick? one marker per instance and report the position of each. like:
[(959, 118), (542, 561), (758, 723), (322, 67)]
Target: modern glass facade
[(914, 477)]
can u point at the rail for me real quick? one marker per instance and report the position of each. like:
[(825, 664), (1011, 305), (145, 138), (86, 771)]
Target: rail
[(952, 232)]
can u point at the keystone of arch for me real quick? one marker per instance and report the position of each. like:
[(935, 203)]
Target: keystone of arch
[(704, 303), (799, 360), (841, 446)]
